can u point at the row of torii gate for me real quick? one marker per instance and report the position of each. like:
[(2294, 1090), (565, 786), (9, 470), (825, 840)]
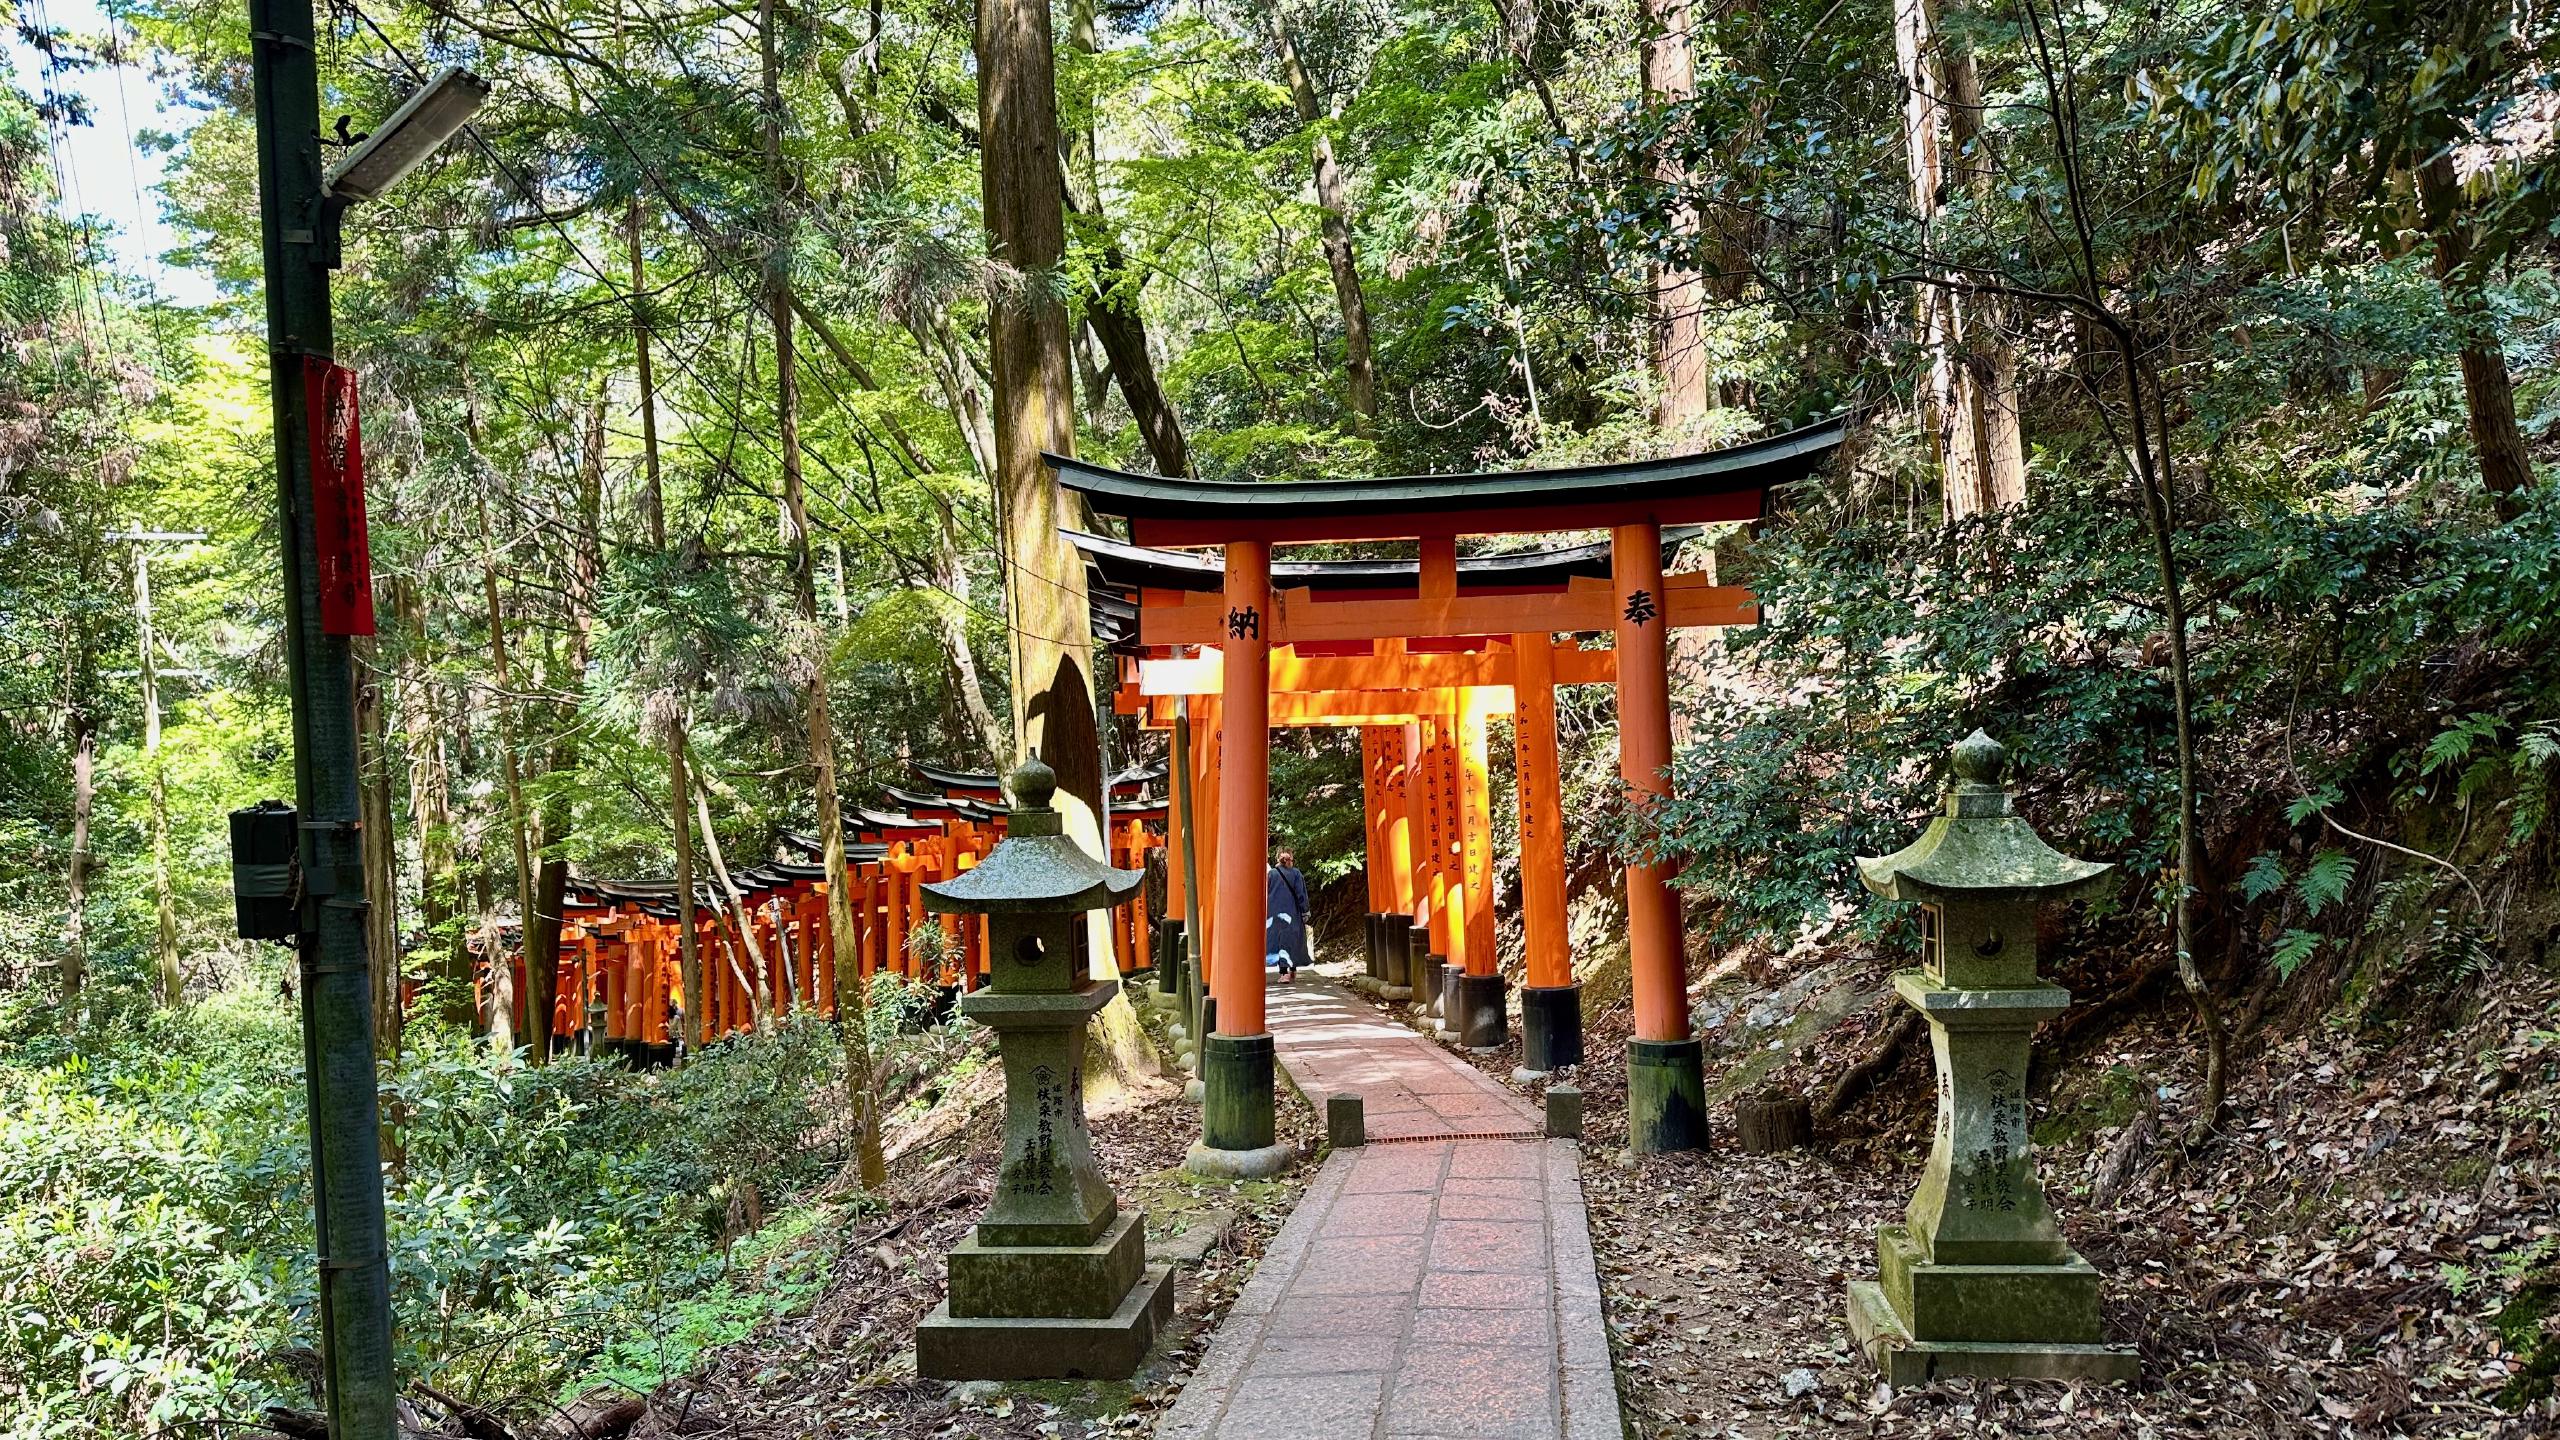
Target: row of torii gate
[(1418, 654), (762, 930)]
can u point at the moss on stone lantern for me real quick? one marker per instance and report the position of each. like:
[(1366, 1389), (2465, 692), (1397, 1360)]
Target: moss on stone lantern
[(1053, 1282), (1978, 1279)]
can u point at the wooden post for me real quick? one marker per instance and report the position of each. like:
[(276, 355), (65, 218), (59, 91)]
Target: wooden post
[(615, 973), (1435, 835), (1475, 834), (1244, 790), (1666, 1094), (1550, 1001), (1238, 1065), (1373, 816), (1540, 788), (1204, 836), (1398, 827)]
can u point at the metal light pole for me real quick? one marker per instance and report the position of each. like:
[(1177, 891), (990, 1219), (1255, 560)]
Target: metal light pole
[(299, 223), (300, 233)]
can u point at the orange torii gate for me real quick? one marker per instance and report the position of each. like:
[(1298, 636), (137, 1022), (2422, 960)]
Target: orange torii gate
[(1422, 941), (1441, 883), (1411, 939), (1249, 618), (615, 972)]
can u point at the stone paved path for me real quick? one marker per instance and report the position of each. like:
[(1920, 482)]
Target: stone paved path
[(1426, 1287)]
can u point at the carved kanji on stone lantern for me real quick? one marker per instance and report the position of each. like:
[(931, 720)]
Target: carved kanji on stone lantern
[(1054, 1281), (1978, 1279)]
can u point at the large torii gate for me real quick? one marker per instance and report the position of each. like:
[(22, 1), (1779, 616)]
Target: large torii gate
[(1424, 769), (1249, 618)]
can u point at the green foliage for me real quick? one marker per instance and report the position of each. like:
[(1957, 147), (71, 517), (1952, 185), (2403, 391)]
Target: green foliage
[(2293, 949), (154, 1230), (1315, 802), (1879, 647)]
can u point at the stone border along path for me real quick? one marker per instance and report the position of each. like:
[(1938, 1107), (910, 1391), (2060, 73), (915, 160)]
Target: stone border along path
[(1436, 1282)]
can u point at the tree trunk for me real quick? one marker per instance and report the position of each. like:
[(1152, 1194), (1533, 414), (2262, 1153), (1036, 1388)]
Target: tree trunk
[(84, 799), (170, 984), (2506, 467), (1972, 379), (440, 899), (951, 614), (1771, 1123), (861, 1085), (653, 509), (551, 878), (1023, 199), (1111, 305), (753, 979), (1333, 199), (502, 998), (375, 845), (964, 389), (1084, 177), (1674, 299)]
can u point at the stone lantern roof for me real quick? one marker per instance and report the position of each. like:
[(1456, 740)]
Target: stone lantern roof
[(1980, 849), (1037, 869)]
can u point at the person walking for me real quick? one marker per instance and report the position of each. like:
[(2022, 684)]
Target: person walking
[(1284, 900)]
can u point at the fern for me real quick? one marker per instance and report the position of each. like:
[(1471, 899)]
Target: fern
[(2452, 746), (2540, 743), (2324, 881), (2265, 876), (2292, 949), (2306, 806)]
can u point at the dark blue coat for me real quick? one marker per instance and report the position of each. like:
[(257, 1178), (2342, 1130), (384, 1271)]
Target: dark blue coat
[(1284, 903)]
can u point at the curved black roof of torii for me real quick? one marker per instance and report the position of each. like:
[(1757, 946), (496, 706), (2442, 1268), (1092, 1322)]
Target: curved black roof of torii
[(1123, 566), (1716, 485), (950, 779)]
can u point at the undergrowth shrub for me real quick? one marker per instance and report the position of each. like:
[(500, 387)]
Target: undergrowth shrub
[(2358, 655), (155, 1263)]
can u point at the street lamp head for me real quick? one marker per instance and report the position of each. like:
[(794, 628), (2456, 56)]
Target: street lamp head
[(415, 131)]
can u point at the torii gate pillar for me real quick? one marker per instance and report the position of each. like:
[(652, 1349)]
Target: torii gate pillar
[(1666, 1072), (1237, 1058), (1550, 1001)]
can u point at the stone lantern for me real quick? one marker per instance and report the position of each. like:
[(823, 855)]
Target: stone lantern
[(1978, 1279), (1054, 1280)]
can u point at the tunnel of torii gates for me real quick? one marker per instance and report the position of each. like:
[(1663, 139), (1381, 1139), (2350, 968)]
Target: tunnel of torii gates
[(617, 971), (1418, 654)]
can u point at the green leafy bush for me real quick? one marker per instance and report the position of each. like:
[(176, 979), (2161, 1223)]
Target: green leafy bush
[(2353, 644), (155, 1261)]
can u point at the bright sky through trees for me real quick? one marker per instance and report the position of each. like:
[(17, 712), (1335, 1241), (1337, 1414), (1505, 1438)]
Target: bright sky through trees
[(109, 173)]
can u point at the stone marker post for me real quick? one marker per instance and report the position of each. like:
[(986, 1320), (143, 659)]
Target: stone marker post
[(1054, 1281), (1978, 1279)]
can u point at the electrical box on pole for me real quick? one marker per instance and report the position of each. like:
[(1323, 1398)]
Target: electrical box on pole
[(263, 903)]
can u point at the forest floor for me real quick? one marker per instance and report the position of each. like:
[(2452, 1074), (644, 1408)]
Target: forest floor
[(844, 1364), (2360, 1251), (2369, 1246)]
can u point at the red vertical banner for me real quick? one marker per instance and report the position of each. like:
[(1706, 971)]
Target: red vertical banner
[(337, 499)]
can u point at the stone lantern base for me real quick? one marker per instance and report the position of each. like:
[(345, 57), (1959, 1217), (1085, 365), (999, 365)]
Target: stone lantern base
[(1041, 1347), (1956, 1293), (1919, 1319)]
